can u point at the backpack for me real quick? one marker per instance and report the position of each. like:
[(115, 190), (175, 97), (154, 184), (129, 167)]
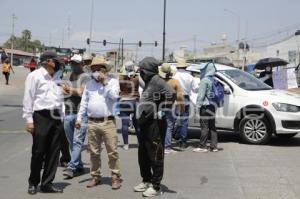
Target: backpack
[(216, 97)]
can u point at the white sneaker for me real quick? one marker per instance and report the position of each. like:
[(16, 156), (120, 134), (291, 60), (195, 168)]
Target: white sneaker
[(151, 192), (168, 151), (200, 150), (141, 187), (126, 147)]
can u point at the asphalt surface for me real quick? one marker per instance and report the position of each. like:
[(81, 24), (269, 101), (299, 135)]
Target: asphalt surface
[(238, 171)]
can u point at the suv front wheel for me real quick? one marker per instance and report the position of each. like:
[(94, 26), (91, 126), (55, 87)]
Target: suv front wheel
[(254, 129)]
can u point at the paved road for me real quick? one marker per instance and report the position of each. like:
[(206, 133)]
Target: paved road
[(238, 171)]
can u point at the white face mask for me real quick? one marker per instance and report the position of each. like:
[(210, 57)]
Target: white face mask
[(95, 75), (130, 74)]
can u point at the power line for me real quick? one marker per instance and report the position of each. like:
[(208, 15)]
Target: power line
[(275, 32)]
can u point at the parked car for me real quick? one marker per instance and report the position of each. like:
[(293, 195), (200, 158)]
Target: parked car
[(252, 108)]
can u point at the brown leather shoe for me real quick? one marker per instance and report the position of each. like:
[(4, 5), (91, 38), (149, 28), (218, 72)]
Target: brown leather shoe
[(115, 182), (93, 182)]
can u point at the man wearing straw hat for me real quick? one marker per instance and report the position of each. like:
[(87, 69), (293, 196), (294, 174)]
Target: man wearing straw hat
[(167, 71), (188, 84), (98, 103)]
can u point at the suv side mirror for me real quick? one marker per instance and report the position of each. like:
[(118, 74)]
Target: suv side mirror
[(227, 90)]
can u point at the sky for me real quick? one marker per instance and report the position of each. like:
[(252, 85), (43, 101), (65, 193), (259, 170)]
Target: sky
[(261, 21)]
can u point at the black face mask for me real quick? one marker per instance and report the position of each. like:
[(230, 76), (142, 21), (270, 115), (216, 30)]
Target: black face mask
[(268, 72), (143, 75), (57, 66)]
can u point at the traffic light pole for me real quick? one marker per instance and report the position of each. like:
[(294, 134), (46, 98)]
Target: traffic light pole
[(121, 45), (164, 32)]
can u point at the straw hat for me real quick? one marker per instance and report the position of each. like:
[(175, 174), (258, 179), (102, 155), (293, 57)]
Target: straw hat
[(181, 62), (100, 61), (167, 70), (87, 57)]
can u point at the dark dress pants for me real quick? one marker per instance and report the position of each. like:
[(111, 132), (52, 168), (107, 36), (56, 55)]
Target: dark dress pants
[(45, 148)]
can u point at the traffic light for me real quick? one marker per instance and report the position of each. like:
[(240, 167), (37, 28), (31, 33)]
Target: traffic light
[(140, 43), (88, 41), (155, 43), (104, 42)]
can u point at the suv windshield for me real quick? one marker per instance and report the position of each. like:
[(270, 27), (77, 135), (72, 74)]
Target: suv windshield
[(245, 80)]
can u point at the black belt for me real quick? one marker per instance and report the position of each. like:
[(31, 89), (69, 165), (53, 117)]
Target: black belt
[(50, 113), (101, 119)]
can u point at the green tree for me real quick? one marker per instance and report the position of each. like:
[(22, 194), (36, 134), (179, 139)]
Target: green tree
[(24, 42), (26, 37)]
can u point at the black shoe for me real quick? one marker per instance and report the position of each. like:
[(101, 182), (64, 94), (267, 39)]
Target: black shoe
[(50, 189), (79, 170), (182, 145), (68, 173), (32, 190)]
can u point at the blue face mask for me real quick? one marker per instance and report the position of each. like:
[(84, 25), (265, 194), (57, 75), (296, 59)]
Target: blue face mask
[(59, 74)]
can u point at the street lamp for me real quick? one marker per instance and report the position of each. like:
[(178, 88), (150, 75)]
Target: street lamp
[(164, 31), (238, 22), (238, 32), (12, 39)]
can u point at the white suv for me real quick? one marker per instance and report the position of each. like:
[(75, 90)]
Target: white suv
[(251, 107)]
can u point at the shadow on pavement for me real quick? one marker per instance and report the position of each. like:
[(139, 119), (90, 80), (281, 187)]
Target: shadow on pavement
[(12, 106), (223, 137), (166, 189), (104, 181), (231, 137), (61, 185), (285, 142)]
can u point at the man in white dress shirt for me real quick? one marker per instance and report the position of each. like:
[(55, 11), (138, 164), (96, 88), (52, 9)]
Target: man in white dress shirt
[(188, 85), (43, 111), (98, 103)]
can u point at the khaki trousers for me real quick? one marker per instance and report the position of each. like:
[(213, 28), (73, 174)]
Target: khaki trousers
[(106, 132)]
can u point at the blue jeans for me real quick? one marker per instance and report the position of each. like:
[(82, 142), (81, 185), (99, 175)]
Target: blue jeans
[(184, 120), (127, 108), (170, 119), (76, 139)]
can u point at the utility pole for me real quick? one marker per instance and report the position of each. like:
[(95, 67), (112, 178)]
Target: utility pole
[(164, 31), (195, 47), (12, 39), (245, 59), (91, 24), (238, 31), (50, 38), (122, 51), (136, 53), (119, 50), (63, 38), (69, 27)]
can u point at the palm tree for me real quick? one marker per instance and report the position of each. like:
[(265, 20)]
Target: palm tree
[(26, 37)]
